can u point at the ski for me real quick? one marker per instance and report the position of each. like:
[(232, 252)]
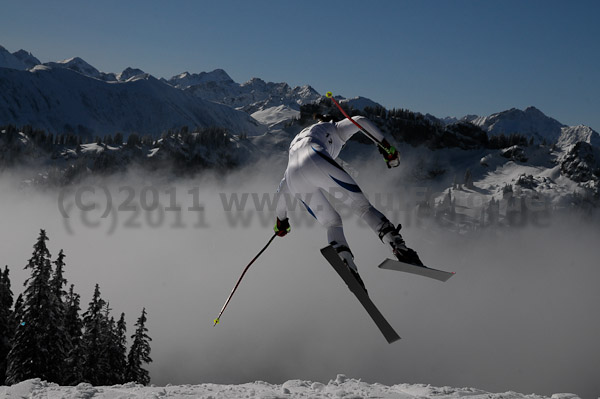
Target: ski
[(386, 329), (435, 274)]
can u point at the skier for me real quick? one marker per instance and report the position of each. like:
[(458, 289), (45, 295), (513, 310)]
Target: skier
[(312, 171)]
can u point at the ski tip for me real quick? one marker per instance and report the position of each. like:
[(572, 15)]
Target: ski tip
[(394, 339), (329, 94)]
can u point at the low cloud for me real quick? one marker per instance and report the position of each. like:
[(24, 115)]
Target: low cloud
[(519, 314)]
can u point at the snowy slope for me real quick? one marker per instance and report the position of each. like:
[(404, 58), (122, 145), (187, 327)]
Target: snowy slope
[(571, 135), (341, 387), (522, 183), (275, 115), (60, 100)]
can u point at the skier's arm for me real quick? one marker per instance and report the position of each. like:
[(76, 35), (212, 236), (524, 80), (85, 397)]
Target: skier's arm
[(347, 129)]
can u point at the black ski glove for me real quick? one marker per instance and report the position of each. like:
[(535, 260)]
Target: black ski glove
[(390, 154), (282, 227)]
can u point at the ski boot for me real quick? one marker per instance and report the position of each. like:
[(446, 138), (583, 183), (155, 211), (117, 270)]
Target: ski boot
[(391, 235), (347, 257)]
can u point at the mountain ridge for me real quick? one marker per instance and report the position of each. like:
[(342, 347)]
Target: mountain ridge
[(272, 104), (61, 100)]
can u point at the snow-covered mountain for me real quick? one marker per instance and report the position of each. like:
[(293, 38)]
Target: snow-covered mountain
[(130, 73), (270, 102), (254, 95), (450, 120), (60, 100), (571, 135), (531, 122), (534, 123), (16, 60), (72, 96), (340, 387), (80, 66), (27, 58), (360, 103), (31, 99), (186, 79)]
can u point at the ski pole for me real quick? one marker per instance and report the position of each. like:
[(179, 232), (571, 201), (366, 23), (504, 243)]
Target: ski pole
[(362, 129), (240, 280)]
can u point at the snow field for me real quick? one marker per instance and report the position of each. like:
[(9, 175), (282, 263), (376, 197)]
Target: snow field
[(341, 387)]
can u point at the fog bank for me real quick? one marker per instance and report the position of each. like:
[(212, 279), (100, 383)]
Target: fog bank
[(519, 315)]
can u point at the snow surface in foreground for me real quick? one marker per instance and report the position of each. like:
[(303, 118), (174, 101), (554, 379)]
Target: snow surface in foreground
[(341, 387)]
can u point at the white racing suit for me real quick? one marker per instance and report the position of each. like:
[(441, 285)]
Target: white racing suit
[(312, 171)]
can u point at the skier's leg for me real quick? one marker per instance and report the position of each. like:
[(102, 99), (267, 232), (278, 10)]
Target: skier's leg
[(334, 179), (391, 235), (318, 206), (303, 182), (327, 216), (340, 185)]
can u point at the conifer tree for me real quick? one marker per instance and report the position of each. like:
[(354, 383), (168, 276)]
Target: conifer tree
[(61, 350), (58, 281), (139, 353), (36, 350), (116, 351), (121, 359), (94, 365), (73, 327), (16, 314), (6, 324)]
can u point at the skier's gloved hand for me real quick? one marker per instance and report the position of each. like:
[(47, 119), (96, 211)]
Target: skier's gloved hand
[(390, 154), (282, 227)]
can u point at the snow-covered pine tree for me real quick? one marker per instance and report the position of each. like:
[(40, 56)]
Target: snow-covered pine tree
[(34, 352), (139, 353), (58, 281), (6, 324), (61, 349), (16, 314), (122, 346), (94, 364), (116, 351), (73, 327)]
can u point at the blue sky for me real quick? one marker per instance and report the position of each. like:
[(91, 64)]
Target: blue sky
[(442, 57)]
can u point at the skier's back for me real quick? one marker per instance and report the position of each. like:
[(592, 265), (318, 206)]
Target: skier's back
[(312, 171)]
